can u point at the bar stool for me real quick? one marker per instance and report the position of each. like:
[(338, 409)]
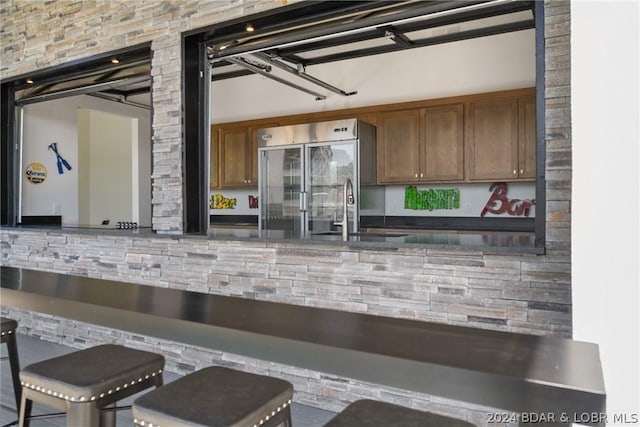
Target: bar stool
[(9, 327), (216, 396), (371, 413), (87, 383)]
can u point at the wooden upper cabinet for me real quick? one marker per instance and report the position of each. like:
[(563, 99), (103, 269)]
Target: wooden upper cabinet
[(421, 145), (398, 144), (492, 140), (214, 152), (236, 158), (442, 148), (371, 118), (253, 176), (477, 138), (527, 137)]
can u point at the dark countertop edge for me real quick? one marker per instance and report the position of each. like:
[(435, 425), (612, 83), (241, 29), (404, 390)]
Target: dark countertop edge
[(434, 379), (148, 233), (539, 357)]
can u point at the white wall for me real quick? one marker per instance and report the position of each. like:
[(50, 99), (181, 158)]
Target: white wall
[(56, 121), (108, 167), (45, 123), (605, 229), (501, 62)]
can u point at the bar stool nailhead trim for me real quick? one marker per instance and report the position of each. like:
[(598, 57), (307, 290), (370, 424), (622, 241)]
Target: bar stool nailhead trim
[(273, 413), (83, 398), (7, 333)]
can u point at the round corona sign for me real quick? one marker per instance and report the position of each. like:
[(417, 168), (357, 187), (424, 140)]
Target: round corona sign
[(36, 173)]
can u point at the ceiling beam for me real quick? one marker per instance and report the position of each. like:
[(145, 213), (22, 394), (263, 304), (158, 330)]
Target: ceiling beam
[(96, 87), (397, 37), (363, 21), (231, 75), (245, 64), (446, 38), (460, 17), (300, 72), (397, 33), (127, 93)]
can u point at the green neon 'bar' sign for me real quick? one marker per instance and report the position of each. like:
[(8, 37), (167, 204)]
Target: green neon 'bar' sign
[(431, 199)]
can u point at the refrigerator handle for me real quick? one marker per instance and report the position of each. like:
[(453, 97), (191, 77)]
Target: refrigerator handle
[(303, 201)]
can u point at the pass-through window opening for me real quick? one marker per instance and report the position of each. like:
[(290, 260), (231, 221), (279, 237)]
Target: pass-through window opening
[(46, 106), (302, 45)]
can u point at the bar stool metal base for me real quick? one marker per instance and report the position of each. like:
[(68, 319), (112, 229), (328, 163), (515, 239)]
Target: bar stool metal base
[(8, 337)]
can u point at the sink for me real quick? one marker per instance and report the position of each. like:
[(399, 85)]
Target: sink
[(360, 234)]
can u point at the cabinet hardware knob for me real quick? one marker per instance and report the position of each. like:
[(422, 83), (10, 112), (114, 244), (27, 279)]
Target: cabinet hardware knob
[(416, 176), (421, 175), (521, 171), (515, 172)]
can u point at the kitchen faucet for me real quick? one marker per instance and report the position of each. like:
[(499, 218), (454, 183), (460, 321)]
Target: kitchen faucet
[(347, 199)]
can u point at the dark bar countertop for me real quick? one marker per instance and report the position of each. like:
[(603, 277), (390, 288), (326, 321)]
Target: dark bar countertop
[(485, 241), (510, 371)]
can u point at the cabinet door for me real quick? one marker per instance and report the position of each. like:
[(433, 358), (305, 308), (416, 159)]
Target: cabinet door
[(442, 152), (214, 156), (398, 142), (527, 137), (235, 157), (492, 146), (371, 118), (252, 171)]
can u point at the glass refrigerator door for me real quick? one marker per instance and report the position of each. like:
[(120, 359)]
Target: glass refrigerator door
[(328, 166), (281, 188)]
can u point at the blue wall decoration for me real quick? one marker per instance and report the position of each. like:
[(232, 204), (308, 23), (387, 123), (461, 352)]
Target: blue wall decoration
[(60, 161)]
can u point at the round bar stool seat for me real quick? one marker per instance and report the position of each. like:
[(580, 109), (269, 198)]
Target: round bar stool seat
[(371, 413), (84, 382), (216, 397), (8, 336)]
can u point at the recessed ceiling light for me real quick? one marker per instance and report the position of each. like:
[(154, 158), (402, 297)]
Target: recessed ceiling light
[(115, 61), (249, 28), (29, 81)]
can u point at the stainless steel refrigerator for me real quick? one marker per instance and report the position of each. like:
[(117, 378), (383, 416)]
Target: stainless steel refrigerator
[(303, 170)]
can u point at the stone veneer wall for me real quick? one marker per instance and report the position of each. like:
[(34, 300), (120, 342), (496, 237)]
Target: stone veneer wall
[(517, 293), (524, 293), (557, 33), (505, 292)]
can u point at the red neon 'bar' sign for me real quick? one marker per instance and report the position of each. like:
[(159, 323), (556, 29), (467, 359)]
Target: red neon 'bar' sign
[(499, 203)]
